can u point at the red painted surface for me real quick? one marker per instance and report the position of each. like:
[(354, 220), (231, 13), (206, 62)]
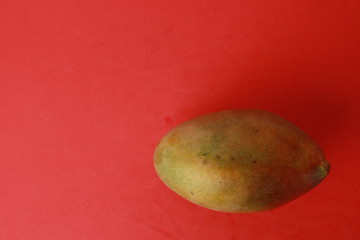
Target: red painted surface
[(88, 88)]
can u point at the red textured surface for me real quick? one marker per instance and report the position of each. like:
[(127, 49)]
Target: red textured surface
[(88, 87)]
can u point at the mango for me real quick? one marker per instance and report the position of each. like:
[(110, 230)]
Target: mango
[(239, 161)]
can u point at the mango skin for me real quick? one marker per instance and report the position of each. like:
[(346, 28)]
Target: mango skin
[(239, 161)]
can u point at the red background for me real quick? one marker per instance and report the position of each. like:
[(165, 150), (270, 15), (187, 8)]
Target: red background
[(88, 88)]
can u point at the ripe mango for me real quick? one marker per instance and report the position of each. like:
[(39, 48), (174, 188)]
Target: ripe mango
[(239, 161)]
